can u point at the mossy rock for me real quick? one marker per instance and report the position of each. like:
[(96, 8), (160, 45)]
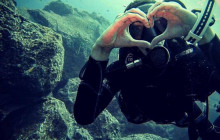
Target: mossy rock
[(59, 8)]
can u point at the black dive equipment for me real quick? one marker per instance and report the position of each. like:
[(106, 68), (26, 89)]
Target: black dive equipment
[(158, 57)]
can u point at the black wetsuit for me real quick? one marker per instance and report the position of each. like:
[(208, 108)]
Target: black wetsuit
[(146, 93)]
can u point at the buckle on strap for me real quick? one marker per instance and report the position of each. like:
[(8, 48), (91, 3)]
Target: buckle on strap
[(192, 35)]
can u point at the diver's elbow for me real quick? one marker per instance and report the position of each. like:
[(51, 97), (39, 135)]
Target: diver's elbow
[(82, 119)]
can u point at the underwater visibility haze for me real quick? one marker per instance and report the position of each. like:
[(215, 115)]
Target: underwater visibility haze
[(111, 8), (43, 46)]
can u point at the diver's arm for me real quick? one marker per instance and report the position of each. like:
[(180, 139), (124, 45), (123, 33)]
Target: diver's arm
[(93, 95), (100, 53), (118, 36), (86, 107), (180, 22)]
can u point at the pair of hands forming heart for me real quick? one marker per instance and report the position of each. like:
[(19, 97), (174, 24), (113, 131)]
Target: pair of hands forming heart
[(179, 22)]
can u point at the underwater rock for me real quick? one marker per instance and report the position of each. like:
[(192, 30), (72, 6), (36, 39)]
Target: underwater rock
[(79, 31), (105, 127), (59, 8), (38, 17), (67, 92), (82, 134), (11, 4), (143, 137), (115, 110), (214, 105), (31, 58), (47, 119)]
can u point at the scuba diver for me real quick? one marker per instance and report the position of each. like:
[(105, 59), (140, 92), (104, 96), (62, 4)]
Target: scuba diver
[(168, 59)]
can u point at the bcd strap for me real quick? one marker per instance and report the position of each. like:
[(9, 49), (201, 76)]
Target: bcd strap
[(203, 21)]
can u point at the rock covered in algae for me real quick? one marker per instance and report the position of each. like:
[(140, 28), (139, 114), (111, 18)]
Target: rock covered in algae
[(32, 56), (79, 31), (47, 119), (66, 92), (9, 4), (105, 126), (31, 59), (143, 137), (59, 7)]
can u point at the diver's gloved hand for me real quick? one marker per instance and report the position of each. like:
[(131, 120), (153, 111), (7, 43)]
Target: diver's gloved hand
[(179, 20), (117, 34)]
